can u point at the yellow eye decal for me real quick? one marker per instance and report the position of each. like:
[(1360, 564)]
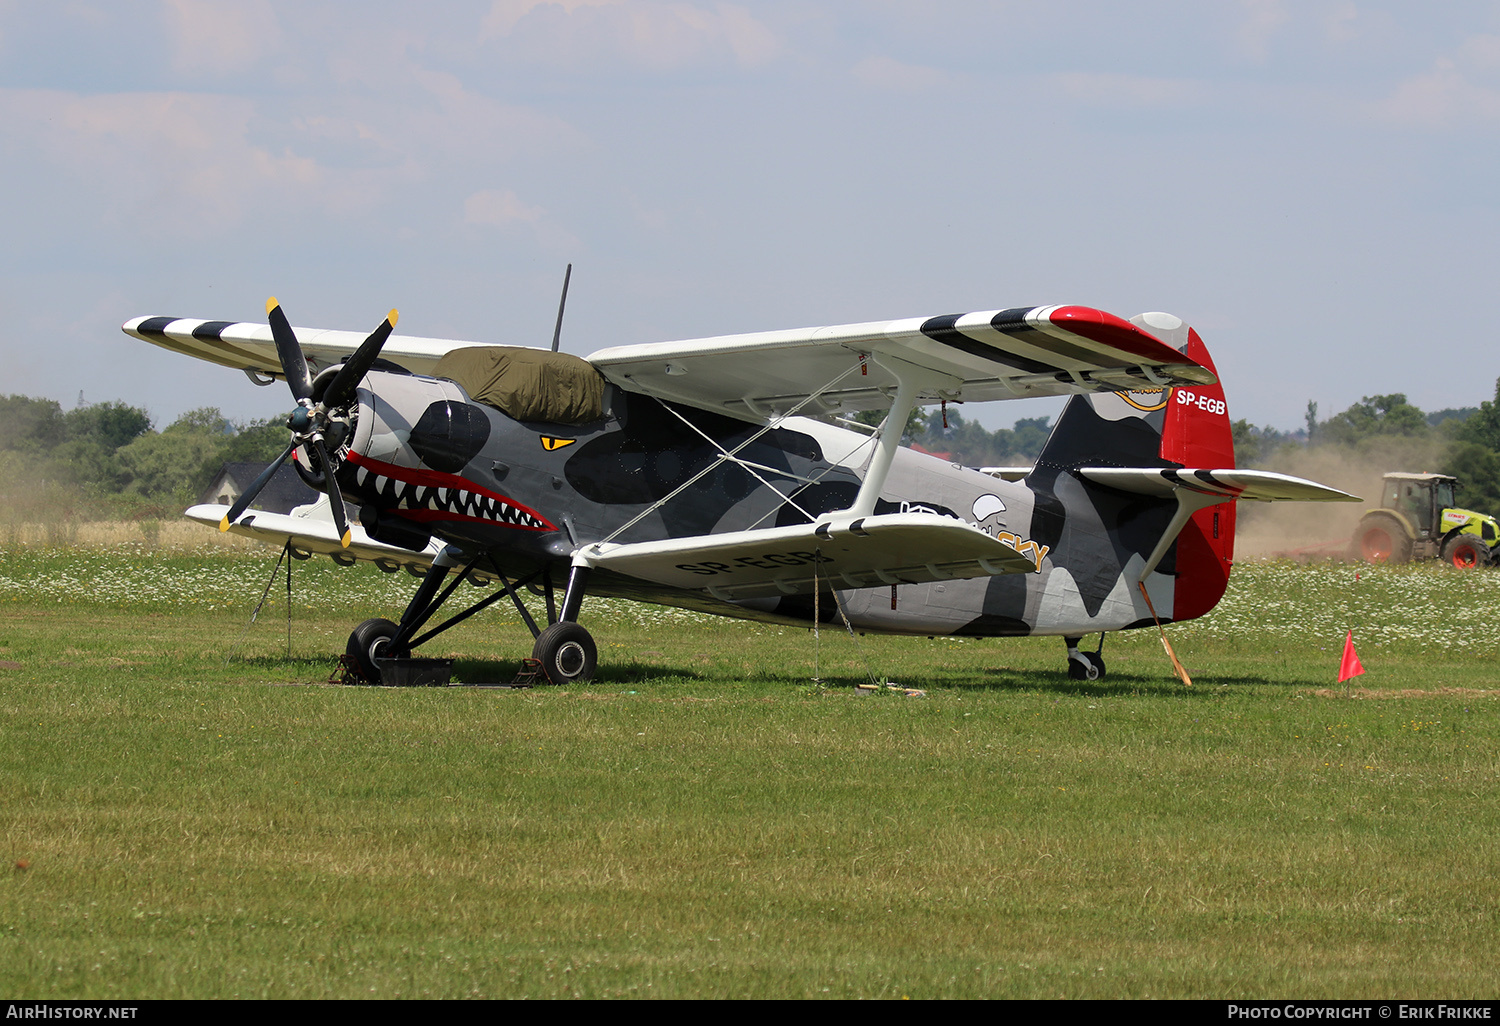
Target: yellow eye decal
[(549, 443)]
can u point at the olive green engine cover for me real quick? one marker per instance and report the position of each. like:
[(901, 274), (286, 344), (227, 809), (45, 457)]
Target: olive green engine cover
[(527, 384)]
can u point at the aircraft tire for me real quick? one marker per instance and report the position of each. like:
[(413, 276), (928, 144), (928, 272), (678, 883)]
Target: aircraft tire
[(1382, 539), (1465, 551), (368, 642), (1087, 666), (567, 653)]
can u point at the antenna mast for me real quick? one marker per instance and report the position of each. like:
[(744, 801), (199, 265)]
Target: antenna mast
[(561, 305)]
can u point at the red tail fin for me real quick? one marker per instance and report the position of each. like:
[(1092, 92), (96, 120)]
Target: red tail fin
[(1197, 435)]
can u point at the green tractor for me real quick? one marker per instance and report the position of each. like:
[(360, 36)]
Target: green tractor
[(1419, 521)]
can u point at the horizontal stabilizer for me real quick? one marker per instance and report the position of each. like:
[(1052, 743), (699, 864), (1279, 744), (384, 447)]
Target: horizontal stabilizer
[(1260, 485), (895, 548)]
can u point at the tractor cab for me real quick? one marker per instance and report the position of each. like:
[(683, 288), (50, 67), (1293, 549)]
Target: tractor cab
[(1421, 498)]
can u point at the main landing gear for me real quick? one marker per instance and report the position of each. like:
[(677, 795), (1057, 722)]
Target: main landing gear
[(1085, 665), (564, 648)]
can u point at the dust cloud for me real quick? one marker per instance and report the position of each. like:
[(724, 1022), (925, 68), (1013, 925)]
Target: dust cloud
[(1288, 528)]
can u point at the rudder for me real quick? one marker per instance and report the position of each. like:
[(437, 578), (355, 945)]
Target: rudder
[(1197, 435), (1168, 429)]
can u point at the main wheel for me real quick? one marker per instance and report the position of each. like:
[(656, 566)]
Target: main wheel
[(567, 653), (370, 641), (1382, 539), (1465, 551)]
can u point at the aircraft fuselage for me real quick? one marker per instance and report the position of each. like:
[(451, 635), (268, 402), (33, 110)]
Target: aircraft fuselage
[(424, 459)]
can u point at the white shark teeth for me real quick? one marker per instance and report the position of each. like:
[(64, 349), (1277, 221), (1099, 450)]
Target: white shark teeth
[(450, 500)]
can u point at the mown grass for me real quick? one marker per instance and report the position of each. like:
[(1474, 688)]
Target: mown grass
[(704, 820)]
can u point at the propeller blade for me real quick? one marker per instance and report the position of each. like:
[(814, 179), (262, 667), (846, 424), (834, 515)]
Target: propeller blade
[(335, 497), (249, 494), (341, 388), (293, 363)]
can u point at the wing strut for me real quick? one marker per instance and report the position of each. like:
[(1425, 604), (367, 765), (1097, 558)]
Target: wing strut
[(911, 380)]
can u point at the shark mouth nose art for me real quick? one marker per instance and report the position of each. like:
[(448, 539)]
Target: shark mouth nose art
[(426, 495)]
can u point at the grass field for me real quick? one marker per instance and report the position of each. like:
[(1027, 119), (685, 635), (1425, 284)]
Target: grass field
[(705, 820)]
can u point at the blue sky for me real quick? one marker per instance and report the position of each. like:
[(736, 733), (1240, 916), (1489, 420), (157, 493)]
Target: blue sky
[(1311, 184)]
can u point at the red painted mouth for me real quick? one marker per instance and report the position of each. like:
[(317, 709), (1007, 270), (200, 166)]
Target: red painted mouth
[(428, 495)]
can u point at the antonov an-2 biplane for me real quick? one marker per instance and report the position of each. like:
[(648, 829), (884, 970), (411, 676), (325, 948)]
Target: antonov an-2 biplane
[(694, 474)]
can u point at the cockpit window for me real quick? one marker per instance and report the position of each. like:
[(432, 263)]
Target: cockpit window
[(528, 384)]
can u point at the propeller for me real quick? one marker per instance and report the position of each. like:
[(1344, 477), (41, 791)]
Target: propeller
[(312, 423)]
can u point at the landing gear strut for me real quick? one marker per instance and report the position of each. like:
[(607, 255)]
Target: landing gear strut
[(1085, 665), (565, 649)]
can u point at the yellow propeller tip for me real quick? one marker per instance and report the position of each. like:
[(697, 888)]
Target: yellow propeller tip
[(345, 540), (271, 304), (224, 523), (392, 316)]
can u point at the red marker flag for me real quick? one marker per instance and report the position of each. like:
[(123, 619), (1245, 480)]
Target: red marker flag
[(1349, 666)]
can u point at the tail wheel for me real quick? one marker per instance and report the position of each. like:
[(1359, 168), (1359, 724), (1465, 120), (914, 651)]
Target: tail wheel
[(1085, 666), (1382, 539), (567, 653), (370, 641), (1465, 551)]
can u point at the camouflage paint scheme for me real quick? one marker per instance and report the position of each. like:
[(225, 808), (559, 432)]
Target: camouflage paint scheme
[(424, 458)]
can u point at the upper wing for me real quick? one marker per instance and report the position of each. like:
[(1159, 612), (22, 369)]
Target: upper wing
[(996, 354), (248, 346)]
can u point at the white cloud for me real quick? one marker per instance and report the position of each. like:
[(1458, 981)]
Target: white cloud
[(503, 209), (1263, 18), (651, 34), (1339, 22), (221, 36), (500, 208), (505, 15), (183, 164), (1461, 89)]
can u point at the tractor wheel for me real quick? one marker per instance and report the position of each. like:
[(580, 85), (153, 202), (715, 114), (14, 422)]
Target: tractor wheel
[(1465, 551), (1382, 539)]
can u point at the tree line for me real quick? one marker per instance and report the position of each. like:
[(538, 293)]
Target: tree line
[(1388, 432), (106, 459)]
